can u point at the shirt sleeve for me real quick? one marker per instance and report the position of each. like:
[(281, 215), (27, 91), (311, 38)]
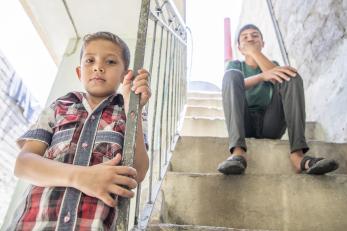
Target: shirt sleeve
[(235, 64), (42, 130)]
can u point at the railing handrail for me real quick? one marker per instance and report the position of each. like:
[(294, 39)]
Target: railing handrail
[(168, 104), (279, 37)]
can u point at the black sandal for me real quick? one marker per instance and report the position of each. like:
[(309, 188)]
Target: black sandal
[(318, 166), (234, 165)]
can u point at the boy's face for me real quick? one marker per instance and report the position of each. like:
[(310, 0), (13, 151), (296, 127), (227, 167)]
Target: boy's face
[(102, 68), (250, 39)]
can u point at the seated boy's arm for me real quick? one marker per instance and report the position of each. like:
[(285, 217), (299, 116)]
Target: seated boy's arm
[(97, 181)]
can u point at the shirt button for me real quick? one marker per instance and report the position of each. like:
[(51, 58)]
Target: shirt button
[(93, 117), (84, 145), (67, 218)]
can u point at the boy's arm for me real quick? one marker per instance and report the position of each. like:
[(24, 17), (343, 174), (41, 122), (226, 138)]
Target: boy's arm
[(270, 71), (140, 86), (97, 181)]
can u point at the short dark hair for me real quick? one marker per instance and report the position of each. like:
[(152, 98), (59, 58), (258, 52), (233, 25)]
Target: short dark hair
[(109, 37), (246, 27)]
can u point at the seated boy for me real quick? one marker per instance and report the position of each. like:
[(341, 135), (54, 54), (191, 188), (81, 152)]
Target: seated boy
[(71, 156), (261, 99)]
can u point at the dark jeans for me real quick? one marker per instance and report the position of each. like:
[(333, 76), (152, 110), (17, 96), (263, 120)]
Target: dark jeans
[(287, 109)]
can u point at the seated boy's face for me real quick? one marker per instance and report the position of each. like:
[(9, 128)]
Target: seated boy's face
[(102, 68)]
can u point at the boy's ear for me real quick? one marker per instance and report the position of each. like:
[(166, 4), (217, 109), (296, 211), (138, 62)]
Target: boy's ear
[(78, 72)]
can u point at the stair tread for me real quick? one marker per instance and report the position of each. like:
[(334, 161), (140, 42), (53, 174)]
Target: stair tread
[(257, 201), (264, 155), (158, 227)]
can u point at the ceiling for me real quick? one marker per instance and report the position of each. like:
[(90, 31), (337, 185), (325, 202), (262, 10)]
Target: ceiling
[(58, 21)]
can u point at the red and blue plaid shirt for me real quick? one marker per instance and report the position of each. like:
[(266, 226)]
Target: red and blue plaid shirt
[(75, 134)]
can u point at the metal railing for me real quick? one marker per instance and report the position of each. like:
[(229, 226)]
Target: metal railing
[(279, 36), (167, 67)]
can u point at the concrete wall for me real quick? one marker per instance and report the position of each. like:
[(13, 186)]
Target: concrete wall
[(314, 33)]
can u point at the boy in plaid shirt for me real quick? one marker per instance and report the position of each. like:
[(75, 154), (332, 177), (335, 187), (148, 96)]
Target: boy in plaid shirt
[(72, 154)]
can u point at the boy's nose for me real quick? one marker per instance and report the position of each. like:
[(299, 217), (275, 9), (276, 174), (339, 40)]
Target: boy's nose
[(98, 69)]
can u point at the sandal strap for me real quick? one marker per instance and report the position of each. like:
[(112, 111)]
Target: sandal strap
[(312, 161), (240, 159)]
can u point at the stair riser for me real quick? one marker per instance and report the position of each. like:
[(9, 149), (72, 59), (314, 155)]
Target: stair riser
[(205, 112), (264, 156), (293, 203), (214, 127), (204, 127), (204, 95), (205, 102)]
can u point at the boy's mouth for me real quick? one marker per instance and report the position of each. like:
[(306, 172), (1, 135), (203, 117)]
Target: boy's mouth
[(97, 79)]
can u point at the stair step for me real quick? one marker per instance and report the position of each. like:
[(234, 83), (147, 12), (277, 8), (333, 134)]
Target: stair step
[(205, 94), (173, 227), (204, 126), (281, 202), (203, 154), (207, 126), (196, 111), (205, 102)]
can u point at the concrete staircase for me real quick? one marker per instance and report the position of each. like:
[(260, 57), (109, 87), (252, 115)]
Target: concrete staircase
[(270, 196)]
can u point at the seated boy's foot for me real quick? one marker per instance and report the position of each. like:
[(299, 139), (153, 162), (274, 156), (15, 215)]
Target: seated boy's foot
[(318, 166), (234, 165)]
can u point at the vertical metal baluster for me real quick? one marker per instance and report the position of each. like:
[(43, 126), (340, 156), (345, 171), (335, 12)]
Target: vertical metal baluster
[(137, 208), (174, 92), (150, 180), (163, 102), (178, 86), (155, 109), (168, 101), (179, 81), (172, 119), (133, 114)]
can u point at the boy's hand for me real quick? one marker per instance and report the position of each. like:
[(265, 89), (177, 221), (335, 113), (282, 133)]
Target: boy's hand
[(104, 179), (140, 86), (249, 48), (279, 74)]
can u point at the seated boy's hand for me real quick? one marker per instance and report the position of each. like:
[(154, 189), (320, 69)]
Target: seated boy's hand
[(279, 74), (140, 86), (104, 179)]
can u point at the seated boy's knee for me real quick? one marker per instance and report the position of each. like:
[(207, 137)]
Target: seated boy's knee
[(296, 80), (233, 76)]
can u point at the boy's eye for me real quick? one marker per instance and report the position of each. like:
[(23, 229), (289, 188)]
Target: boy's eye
[(89, 60), (110, 61)]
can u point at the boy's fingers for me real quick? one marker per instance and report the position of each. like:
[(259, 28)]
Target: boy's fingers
[(128, 77), (141, 82), (107, 199), (142, 71), (289, 71), (124, 180), (142, 89), (126, 171), (282, 75), (120, 191), (114, 161)]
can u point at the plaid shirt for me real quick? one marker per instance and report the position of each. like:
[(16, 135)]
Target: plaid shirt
[(75, 134)]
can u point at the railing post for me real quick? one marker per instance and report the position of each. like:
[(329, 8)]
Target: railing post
[(133, 114), (164, 93)]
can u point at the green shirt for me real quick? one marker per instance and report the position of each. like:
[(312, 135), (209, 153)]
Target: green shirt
[(258, 96)]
